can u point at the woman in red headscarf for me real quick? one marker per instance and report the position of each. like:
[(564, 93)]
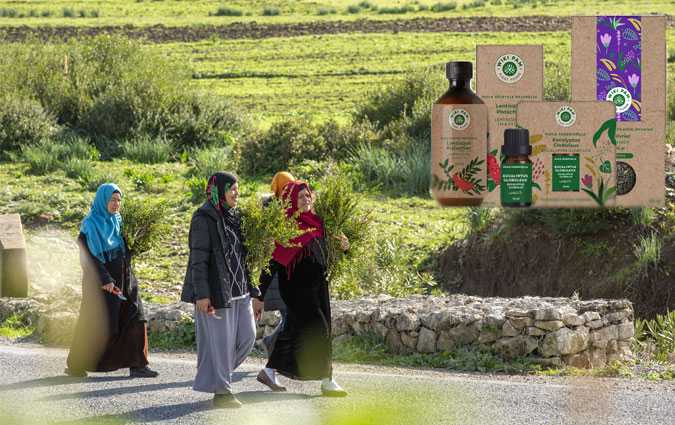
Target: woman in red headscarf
[(303, 348)]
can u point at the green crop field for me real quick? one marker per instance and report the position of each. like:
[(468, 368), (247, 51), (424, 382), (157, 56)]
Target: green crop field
[(199, 12)]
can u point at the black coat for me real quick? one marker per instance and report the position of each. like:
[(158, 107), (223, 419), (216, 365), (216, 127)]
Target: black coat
[(97, 273), (207, 274)]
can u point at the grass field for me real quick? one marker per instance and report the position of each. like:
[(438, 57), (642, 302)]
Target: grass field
[(200, 12), (328, 75)]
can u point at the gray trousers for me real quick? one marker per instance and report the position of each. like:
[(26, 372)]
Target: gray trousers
[(222, 345)]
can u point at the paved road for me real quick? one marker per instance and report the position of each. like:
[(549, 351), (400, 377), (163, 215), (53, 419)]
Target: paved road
[(33, 391)]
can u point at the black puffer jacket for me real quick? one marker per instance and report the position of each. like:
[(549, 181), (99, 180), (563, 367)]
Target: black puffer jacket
[(213, 256)]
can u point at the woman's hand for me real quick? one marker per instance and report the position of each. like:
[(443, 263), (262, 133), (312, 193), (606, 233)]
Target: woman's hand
[(110, 287), (204, 305), (258, 307), (344, 242)]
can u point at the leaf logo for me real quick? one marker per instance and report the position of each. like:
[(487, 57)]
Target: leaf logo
[(459, 119), (566, 116), (621, 98), (510, 68)]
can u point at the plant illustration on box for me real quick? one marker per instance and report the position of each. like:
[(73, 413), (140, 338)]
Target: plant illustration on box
[(468, 180), (598, 167)]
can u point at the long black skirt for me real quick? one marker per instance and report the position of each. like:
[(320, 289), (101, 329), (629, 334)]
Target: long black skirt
[(303, 348), (96, 347)]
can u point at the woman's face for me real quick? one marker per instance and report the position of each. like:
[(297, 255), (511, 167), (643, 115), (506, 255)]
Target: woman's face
[(115, 203), (232, 196), (304, 200)]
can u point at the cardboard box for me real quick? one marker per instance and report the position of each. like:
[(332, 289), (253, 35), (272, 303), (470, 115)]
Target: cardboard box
[(505, 76), (573, 152), (623, 59)]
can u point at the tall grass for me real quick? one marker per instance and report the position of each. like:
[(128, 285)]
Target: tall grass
[(148, 150), (396, 173), (648, 251)]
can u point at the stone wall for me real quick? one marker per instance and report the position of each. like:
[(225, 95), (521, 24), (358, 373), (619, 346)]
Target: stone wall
[(552, 331)]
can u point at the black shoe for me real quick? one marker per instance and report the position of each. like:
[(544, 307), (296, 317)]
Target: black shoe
[(75, 373), (142, 372), (226, 401)]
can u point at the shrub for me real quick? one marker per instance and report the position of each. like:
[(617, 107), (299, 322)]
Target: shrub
[(80, 169), (271, 11), (444, 7), (73, 145), (326, 11), (206, 162), (261, 227), (197, 187), (474, 4), (97, 179), (144, 180), (113, 89), (146, 150), (23, 123), (353, 9), (227, 11), (659, 331), (404, 109), (144, 223), (395, 10), (68, 12), (341, 211), (648, 251), (42, 158), (397, 173)]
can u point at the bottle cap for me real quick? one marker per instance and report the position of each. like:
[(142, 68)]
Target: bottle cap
[(459, 70), (516, 142)]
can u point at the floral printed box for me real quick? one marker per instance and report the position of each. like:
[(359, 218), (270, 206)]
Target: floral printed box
[(621, 59)]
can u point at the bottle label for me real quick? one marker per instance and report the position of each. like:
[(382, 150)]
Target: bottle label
[(516, 183), (458, 151), (565, 169)]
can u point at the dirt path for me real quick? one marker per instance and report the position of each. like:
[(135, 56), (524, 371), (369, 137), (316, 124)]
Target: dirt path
[(163, 34)]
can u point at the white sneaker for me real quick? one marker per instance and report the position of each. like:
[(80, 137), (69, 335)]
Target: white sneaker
[(330, 388)]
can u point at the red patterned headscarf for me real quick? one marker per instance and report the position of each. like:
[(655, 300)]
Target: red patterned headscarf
[(307, 221)]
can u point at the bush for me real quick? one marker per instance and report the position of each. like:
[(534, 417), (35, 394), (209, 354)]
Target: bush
[(23, 123), (144, 223), (648, 252), (80, 169), (444, 7), (660, 332), (403, 110), (146, 150), (197, 187), (401, 173), (297, 139), (340, 209), (261, 227), (353, 9), (206, 162), (68, 12), (42, 158), (474, 4), (112, 89), (271, 11), (326, 11), (395, 10), (227, 11), (73, 145)]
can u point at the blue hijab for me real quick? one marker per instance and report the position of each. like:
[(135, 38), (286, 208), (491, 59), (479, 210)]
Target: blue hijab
[(102, 229)]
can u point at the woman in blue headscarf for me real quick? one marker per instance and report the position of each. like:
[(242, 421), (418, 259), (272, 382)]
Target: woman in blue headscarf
[(111, 331)]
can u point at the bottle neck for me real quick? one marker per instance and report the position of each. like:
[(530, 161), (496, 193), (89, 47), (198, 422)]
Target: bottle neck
[(460, 84)]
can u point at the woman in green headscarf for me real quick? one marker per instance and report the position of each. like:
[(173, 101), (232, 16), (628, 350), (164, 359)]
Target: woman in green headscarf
[(111, 331)]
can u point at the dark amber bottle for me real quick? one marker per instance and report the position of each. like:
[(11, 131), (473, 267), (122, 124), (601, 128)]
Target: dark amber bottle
[(461, 178), (516, 172)]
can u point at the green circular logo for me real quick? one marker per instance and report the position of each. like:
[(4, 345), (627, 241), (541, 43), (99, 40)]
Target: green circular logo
[(509, 69), (621, 98), (566, 116), (459, 119)]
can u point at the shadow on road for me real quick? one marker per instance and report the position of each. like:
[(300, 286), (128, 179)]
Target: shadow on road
[(59, 380), (109, 392), (247, 397)]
